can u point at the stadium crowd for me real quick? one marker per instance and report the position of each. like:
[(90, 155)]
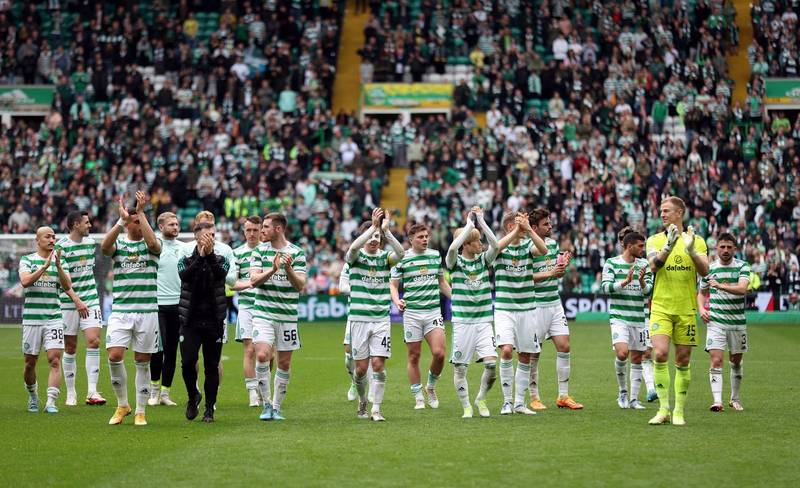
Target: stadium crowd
[(593, 109)]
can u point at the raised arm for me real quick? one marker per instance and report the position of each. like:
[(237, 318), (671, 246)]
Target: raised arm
[(153, 244), (700, 259), (646, 280), (607, 283), (109, 244), (508, 239), (397, 248), (494, 245), (28, 278), (258, 275), (539, 247), (297, 277), (452, 252), (352, 252), (658, 257)]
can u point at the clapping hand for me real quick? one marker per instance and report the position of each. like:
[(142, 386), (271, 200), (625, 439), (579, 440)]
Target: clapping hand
[(141, 201), (123, 212), (688, 241)]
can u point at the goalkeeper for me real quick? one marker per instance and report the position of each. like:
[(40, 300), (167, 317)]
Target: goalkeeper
[(676, 258)]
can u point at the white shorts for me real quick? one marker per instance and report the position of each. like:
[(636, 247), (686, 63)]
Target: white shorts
[(550, 322), (417, 325), (370, 339), (73, 321), (244, 324), (284, 336), (346, 341), (49, 336), (720, 338), (517, 329), (139, 329), (636, 337), (472, 340)]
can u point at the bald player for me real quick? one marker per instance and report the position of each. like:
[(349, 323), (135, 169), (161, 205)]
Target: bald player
[(42, 277)]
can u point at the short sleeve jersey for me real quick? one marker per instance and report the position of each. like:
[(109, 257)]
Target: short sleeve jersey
[(726, 309)]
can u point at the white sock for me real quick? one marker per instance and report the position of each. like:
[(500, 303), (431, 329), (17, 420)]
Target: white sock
[(487, 379), (250, 384), (70, 369), (263, 381), (350, 364), (621, 369), (142, 385), (460, 382), (92, 369), (155, 388), (533, 384), (562, 370), (507, 379), (736, 380), (521, 380), (281, 382), (379, 385), (715, 378), (636, 380), (33, 390), (52, 395), (119, 381), (647, 367), (361, 387), (416, 390), (432, 380)]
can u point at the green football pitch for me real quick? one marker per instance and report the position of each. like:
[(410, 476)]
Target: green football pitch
[(322, 443)]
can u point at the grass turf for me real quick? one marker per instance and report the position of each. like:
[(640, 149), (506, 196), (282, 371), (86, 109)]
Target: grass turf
[(322, 442)]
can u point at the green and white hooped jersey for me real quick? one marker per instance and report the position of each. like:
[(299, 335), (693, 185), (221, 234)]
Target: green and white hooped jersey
[(726, 309), (41, 300), (135, 287), (78, 260), (420, 275), (472, 290), (547, 289), (513, 278), (276, 299), (242, 257), (370, 298), (628, 305)]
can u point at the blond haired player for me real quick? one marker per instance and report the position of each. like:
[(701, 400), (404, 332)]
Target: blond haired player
[(244, 319), (676, 259), (370, 299), (473, 334), (514, 311)]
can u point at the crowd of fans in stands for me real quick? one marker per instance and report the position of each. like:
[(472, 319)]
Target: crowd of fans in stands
[(593, 109)]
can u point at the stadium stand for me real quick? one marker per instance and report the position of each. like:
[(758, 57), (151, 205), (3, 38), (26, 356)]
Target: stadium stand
[(594, 109)]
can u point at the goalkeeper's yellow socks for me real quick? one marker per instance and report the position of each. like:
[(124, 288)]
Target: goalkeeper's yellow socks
[(662, 380), (683, 376)]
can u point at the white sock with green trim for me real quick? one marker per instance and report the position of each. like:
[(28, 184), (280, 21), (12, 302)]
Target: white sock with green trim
[(119, 381), (521, 381), (460, 382), (507, 379), (487, 379), (92, 369), (281, 384), (70, 370), (621, 370)]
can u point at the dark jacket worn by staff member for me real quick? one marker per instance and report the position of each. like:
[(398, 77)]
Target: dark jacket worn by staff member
[(202, 310)]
